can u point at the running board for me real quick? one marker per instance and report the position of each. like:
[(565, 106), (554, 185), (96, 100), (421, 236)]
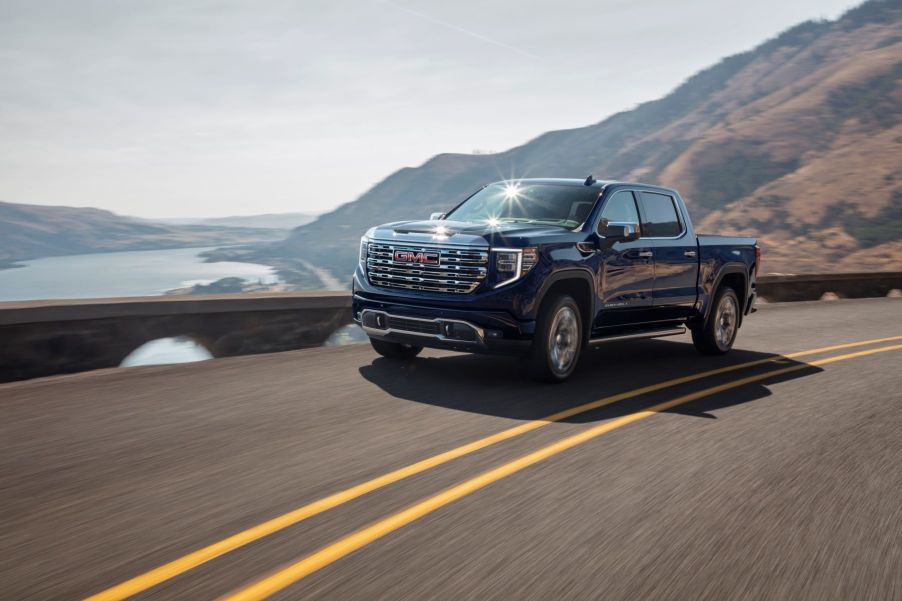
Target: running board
[(638, 335)]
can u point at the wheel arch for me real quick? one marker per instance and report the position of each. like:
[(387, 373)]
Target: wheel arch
[(736, 276), (579, 284)]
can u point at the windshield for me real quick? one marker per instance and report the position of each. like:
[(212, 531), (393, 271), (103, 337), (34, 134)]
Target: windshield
[(549, 204)]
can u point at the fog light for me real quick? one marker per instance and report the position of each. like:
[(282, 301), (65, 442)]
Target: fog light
[(460, 331), (373, 320)]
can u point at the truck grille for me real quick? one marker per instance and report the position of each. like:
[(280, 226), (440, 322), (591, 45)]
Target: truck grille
[(459, 271)]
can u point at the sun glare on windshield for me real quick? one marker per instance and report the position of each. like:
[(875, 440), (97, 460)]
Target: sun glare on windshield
[(553, 204)]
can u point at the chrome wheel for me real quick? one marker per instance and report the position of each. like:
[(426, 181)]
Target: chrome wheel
[(725, 322), (563, 342)]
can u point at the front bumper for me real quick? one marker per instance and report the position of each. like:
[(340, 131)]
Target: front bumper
[(452, 329)]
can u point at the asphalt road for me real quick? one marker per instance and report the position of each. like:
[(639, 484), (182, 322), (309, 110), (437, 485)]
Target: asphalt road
[(785, 486)]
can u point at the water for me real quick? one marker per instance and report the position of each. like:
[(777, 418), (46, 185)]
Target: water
[(134, 273)]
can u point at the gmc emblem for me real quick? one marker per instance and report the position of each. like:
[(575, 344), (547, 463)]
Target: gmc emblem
[(416, 256)]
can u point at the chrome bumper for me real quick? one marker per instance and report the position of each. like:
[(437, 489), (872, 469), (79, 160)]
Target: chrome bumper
[(380, 323)]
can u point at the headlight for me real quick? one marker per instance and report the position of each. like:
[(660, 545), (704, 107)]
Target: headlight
[(511, 264), (364, 251)]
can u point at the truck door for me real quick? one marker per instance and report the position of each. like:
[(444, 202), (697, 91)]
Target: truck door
[(626, 270), (675, 251)]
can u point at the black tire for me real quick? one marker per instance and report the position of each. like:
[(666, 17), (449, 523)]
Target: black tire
[(550, 358), (395, 350), (717, 334)]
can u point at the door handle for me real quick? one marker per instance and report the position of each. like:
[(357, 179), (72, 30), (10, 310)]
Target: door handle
[(689, 253), (645, 254)]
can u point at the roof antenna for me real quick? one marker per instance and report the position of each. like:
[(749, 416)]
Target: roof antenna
[(589, 181)]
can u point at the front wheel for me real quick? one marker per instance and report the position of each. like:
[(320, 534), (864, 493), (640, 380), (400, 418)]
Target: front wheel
[(558, 341), (395, 350), (716, 335)]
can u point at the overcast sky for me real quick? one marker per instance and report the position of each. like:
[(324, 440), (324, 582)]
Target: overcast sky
[(183, 108)]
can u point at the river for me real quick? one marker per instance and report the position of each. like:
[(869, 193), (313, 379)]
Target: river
[(133, 273)]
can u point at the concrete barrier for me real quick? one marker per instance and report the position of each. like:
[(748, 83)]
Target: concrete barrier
[(42, 338), (778, 288)]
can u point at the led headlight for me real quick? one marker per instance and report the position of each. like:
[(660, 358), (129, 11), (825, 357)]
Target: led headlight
[(511, 264), (364, 251)]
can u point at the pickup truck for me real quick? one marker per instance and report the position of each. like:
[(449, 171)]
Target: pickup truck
[(542, 268)]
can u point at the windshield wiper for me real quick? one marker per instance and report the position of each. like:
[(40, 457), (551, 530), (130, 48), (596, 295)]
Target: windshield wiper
[(555, 222)]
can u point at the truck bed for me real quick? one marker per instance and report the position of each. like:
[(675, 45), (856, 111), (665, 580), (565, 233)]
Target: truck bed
[(732, 241)]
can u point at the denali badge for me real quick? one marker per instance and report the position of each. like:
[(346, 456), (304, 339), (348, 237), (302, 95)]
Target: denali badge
[(416, 256)]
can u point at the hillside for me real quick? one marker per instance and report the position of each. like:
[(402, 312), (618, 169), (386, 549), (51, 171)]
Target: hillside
[(276, 221), (31, 231), (797, 141)]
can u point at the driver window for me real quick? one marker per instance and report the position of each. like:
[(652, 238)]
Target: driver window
[(620, 207)]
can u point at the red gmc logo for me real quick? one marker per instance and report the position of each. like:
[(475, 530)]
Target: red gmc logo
[(413, 256)]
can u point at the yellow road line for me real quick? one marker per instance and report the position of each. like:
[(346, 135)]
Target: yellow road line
[(327, 555), (196, 558)]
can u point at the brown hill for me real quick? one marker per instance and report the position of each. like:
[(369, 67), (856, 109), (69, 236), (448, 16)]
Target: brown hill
[(837, 130), (797, 141), (31, 231)]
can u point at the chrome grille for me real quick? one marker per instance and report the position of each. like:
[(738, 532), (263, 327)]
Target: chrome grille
[(460, 270)]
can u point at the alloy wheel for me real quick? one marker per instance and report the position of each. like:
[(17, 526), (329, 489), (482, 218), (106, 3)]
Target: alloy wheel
[(726, 321), (564, 340)]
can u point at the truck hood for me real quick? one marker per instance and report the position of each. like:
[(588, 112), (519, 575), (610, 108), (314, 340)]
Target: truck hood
[(470, 233)]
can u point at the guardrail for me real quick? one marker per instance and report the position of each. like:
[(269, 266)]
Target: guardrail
[(47, 337)]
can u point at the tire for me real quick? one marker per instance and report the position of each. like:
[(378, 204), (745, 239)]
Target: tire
[(558, 341), (395, 350), (717, 334)]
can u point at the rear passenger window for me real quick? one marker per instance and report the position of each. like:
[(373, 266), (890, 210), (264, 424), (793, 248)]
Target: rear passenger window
[(660, 219)]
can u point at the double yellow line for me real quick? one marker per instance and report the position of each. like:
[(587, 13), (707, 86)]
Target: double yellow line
[(344, 546)]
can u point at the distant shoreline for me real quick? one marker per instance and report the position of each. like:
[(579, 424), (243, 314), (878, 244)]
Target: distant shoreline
[(298, 273), (146, 272), (21, 261)]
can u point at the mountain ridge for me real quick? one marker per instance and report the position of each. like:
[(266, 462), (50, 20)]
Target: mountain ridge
[(698, 139), (275, 221)]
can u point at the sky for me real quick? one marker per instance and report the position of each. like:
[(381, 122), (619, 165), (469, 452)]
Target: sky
[(195, 108)]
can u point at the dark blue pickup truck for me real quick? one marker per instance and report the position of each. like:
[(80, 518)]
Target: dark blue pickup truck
[(541, 268)]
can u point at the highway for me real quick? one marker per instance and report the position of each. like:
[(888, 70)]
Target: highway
[(774, 472)]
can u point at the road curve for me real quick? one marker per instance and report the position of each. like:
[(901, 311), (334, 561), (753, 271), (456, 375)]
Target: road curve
[(772, 473)]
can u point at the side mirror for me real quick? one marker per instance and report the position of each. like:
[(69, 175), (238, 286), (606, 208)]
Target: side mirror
[(435, 216), (617, 231)]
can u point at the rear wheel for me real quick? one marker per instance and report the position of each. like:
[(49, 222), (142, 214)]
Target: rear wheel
[(717, 334), (558, 341), (395, 350)]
